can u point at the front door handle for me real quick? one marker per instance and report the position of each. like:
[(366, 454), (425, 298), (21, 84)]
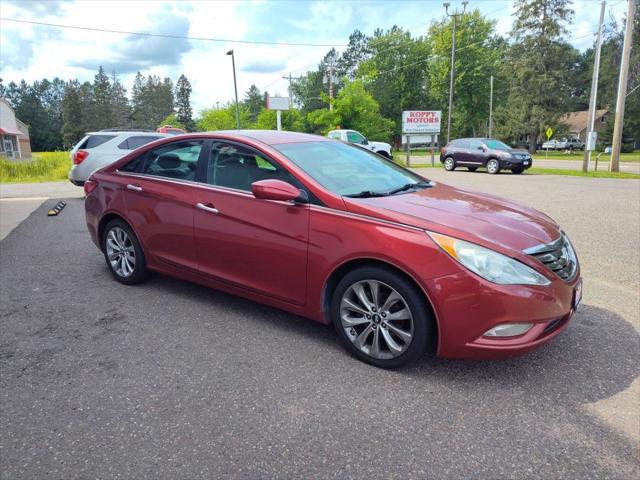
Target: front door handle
[(135, 188), (207, 207)]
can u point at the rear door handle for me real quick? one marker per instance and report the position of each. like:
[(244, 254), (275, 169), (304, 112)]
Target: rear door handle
[(135, 188), (207, 207)]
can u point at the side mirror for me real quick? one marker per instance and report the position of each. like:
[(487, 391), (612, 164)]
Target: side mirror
[(365, 142), (275, 190), (481, 148)]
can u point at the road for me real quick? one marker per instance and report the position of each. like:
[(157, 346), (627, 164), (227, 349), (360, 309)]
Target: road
[(171, 380)]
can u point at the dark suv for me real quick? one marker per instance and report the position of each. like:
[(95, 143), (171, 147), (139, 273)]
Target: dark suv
[(484, 152)]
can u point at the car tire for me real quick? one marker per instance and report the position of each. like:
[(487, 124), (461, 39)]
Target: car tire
[(399, 341), (472, 169), (449, 164), (493, 166), (123, 253), (517, 171)]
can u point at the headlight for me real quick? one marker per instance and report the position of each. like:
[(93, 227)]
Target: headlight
[(490, 265)]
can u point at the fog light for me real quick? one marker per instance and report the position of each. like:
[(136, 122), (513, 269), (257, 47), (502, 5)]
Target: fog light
[(509, 330)]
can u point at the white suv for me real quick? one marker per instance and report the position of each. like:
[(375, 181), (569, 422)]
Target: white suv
[(352, 136), (98, 149)]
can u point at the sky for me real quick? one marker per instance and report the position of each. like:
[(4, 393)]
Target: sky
[(33, 52)]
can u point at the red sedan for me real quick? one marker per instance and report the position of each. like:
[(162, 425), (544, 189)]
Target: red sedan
[(340, 235)]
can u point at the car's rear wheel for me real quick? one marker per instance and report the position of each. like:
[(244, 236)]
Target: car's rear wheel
[(381, 317), (493, 166), (472, 169), (449, 164), (517, 171), (123, 253)]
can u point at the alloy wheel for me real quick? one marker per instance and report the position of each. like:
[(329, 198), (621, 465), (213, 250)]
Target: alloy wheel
[(120, 252), (449, 163), (493, 166), (376, 319)]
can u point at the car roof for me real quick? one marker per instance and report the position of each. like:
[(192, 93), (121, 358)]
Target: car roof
[(273, 137), (128, 132)]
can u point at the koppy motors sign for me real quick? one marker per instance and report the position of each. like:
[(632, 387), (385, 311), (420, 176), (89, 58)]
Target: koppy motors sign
[(421, 121)]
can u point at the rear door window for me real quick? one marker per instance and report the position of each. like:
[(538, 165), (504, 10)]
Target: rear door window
[(176, 160), (94, 141)]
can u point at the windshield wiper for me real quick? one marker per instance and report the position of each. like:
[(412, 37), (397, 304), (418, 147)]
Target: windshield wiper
[(409, 186), (367, 194)]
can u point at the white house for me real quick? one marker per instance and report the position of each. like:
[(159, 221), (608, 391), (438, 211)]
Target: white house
[(14, 135)]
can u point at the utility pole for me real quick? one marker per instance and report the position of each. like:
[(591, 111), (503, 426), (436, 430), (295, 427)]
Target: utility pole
[(235, 87), (454, 16), (290, 78), (491, 106), (622, 88), (594, 94)]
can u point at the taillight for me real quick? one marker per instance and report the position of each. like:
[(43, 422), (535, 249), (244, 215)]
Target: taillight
[(89, 185), (79, 156)]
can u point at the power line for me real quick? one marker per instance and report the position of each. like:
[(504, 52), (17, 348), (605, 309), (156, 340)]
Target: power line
[(167, 35)]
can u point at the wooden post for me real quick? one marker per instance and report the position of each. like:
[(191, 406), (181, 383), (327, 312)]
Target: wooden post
[(408, 151)]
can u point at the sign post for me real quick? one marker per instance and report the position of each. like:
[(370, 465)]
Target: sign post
[(278, 104), (420, 123), (549, 133)]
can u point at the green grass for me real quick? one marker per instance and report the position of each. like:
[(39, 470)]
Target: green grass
[(44, 167)]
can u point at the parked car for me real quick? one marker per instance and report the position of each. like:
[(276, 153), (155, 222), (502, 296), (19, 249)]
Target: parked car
[(329, 231), (357, 138), (170, 130), (488, 153), (563, 144), (98, 149)]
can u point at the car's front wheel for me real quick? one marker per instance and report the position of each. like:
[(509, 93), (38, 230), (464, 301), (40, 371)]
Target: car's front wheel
[(381, 317), (123, 253), (449, 164), (493, 166)]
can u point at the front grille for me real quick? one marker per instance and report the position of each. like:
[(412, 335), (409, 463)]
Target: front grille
[(557, 256)]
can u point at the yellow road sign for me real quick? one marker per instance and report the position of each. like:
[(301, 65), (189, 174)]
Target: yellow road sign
[(549, 132)]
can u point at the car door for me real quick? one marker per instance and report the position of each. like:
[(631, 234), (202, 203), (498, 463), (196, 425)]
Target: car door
[(475, 155), (461, 154), (160, 202), (260, 245)]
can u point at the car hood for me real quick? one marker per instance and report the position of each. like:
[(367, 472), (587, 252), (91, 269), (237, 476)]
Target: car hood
[(473, 216)]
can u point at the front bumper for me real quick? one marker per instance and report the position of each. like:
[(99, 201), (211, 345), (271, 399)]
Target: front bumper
[(472, 306), (509, 164)]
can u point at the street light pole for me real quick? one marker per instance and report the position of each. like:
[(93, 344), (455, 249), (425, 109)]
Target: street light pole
[(235, 87), (454, 16)]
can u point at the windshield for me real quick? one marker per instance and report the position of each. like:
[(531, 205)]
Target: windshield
[(496, 145), (347, 170)]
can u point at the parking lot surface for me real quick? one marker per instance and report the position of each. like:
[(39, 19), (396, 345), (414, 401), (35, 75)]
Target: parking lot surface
[(172, 380)]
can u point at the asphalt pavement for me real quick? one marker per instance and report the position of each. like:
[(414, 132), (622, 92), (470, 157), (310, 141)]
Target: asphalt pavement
[(172, 380)]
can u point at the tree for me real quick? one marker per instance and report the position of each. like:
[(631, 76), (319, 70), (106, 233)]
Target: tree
[(173, 121), (184, 113), (358, 110), (138, 104), (536, 66), (357, 52), (72, 126), (478, 56), (222, 118), (254, 102), (102, 114), (395, 73), (120, 108), (322, 120), (292, 120)]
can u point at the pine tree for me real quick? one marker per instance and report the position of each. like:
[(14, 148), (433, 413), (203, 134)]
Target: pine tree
[(102, 114), (137, 102), (72, 127), (537, 68), (120, 109), (184, 113), (253, 101)]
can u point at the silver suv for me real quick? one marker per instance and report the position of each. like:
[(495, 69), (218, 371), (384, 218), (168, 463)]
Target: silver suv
[(98, 149)]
